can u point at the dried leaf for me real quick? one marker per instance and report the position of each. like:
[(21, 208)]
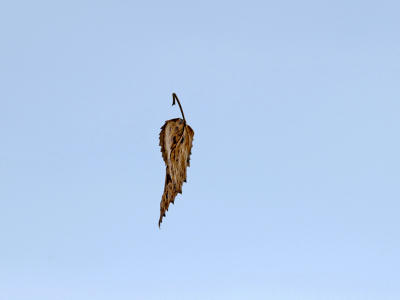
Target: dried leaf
[(176, 144)]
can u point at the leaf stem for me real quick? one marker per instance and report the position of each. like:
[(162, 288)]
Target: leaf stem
[(174, 96)]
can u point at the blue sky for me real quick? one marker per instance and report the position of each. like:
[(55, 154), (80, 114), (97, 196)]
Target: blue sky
[(293, 190)]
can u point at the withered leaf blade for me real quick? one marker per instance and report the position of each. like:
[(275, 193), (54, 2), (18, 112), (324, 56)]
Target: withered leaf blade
[(176, 139)]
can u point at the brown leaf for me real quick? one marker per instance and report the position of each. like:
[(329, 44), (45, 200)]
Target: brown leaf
[(176, 144)]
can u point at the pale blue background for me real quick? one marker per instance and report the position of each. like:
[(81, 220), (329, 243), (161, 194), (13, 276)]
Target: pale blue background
[(294, 186)]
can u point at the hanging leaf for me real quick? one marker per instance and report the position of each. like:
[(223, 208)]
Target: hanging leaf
[(176, 144)]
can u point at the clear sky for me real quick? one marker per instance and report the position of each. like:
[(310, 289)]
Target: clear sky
[(294, 186)]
